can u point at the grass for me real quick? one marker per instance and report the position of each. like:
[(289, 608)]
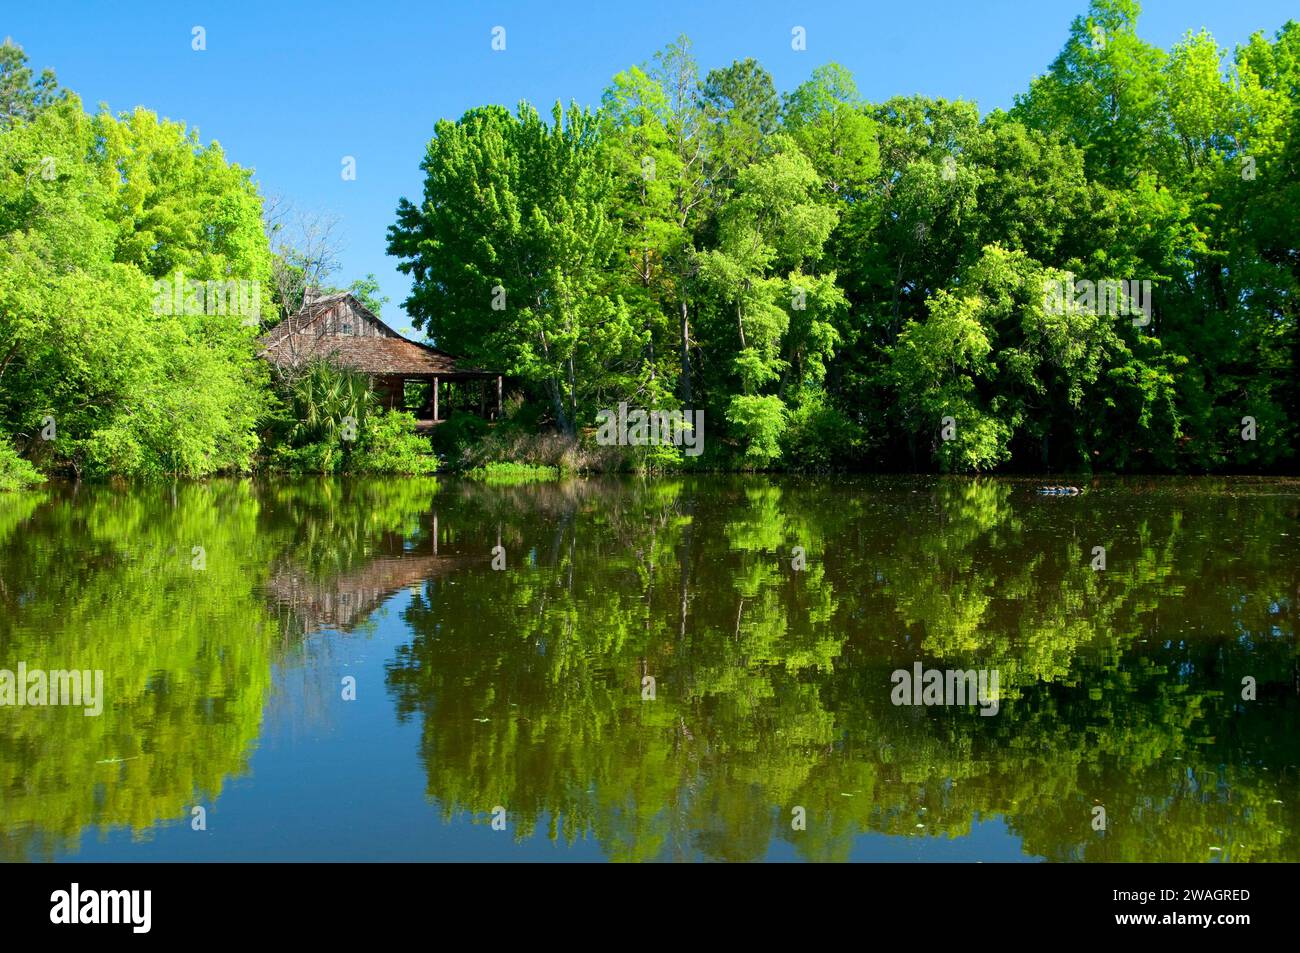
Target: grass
[(512, 473)]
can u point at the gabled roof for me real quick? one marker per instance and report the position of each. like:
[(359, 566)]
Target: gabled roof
[(307, 336), (345, 600)]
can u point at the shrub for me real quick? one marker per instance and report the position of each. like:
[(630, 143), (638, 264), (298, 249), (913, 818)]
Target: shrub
[(549, 449), (459, 433), (818, 436), (321, 400), (390, 444), (311, 422), (324, 456), (759, 422), (15, 472)]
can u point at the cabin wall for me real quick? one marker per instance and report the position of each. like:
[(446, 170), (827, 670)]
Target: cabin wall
[(390, 390), (343, 318)]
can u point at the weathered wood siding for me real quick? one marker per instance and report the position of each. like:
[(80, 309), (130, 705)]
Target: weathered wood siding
[(345, 319)]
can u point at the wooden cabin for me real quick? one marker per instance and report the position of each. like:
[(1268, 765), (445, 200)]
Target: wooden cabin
[(406, 375)]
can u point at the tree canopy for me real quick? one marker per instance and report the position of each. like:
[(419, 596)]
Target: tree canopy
[(832, 279)]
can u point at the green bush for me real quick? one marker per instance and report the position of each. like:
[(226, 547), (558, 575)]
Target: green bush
[(386, 442), (459, 433), (390, 444), (319, 420), (324, 456), (758, 422), (15, 472), (818, 436), (321, 400)]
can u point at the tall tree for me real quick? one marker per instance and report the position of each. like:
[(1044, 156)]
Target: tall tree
[(678, 76), (742, 110), (832, 125), (509, 250), (131, 385), (643, 166), (771, 235), (21, 95)]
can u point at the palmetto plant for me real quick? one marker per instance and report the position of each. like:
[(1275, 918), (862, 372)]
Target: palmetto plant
[(323, 398)]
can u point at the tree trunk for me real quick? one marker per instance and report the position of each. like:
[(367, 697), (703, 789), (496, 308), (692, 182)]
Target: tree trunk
[(557, 404), (686, 357), (573, 400)]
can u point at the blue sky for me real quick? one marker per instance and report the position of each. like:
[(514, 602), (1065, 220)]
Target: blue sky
[(288, 89)]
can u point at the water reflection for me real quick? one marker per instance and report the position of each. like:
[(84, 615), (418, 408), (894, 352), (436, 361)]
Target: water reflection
[(1121, 688)]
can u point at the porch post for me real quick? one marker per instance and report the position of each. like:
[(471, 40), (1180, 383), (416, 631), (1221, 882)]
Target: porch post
[(435, 398)]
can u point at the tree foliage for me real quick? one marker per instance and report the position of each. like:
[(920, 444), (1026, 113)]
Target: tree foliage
[(753, 255), (94, 211)]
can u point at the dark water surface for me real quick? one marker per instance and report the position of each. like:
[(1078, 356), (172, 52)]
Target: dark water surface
[(526, 688)]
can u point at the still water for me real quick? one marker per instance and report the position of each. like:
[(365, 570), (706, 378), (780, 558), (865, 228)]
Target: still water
[(656, 673)]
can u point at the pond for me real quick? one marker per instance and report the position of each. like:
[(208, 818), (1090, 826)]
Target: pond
[(679, 669)]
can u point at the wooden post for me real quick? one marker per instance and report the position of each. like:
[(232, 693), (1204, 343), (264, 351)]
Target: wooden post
[(435, 398)]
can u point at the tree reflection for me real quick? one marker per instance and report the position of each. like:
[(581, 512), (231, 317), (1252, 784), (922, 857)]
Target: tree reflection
[(1124, 684), (771, 675), (109, 578)]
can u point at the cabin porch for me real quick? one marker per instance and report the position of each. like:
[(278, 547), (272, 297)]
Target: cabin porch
[(433, 397)]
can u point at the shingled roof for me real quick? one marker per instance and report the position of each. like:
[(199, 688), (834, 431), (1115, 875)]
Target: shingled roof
[(343, 601), (341, 329)]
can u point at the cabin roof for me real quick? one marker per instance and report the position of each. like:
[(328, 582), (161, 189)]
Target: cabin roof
[(343, 601), (306, 336)]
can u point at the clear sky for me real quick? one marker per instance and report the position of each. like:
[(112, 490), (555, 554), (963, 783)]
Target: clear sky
[(289, 89)]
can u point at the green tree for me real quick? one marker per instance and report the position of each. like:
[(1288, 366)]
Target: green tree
[(509, 251), (367, 291), (771, 234), (832, 125), (742, 110), (21, 96), (644, 168), (87, 338), (678, 76)]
